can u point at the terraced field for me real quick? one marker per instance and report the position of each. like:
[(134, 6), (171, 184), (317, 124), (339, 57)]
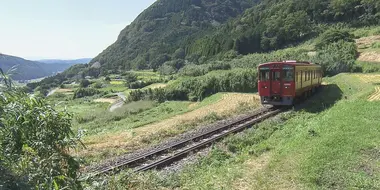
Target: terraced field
[(376, 95)]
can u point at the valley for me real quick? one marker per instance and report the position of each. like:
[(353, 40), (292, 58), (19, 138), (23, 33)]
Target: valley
[(183, 67)]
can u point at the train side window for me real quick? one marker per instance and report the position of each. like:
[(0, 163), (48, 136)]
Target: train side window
[(264, 75), (305, 75), (296, 76)]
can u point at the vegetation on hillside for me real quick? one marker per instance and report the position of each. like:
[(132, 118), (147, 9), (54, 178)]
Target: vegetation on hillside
[(34, 141), (174, 22), (198, 88), (276, 24), (268, 25)]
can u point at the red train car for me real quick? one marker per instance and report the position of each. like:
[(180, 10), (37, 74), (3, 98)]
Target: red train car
[(282, 83)]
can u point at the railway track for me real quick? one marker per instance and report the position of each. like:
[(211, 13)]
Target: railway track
[(166, 155)]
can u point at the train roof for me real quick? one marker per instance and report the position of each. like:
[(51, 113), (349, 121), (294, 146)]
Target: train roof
[(290, 63)]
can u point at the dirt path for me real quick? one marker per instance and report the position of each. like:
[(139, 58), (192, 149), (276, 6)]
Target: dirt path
[(52, 92), (118, 103)]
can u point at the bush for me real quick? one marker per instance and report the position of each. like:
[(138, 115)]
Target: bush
[(375, 45), (337, 57), (129, 77), (84, 83), (368, 67), (332, 36), (166, 69), (98, 85), (199, 70), (83, 92)]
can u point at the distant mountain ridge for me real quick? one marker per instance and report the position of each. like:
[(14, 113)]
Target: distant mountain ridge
[(27, 69), (66, 61)]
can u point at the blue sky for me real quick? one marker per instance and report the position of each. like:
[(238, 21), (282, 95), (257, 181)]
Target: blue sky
[(63, 29)]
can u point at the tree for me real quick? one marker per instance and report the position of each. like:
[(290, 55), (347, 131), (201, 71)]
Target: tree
[(129, 77), (179, 54)]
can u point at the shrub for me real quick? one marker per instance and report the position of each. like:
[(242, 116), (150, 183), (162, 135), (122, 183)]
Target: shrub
[(83, 92), (337, 57), (332, 36), (368, 67), (375, 45), (84, 83), (129, 77), (199, 70), (98, 85)]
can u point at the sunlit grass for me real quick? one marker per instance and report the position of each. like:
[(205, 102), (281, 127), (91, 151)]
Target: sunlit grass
[(115, 82), (332, 143)]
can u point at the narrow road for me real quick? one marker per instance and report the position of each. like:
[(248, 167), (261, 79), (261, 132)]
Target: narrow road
[(119, 102), (52, 92)]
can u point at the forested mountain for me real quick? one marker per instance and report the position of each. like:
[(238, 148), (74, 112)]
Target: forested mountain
[(274, 24), (171, 31), (26, 69), (163, 28)]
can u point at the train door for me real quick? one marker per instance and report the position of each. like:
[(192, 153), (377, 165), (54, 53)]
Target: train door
[(275, 82)]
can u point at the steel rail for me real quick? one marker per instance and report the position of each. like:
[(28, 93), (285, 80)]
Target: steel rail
[(210, 136), (184, 152)]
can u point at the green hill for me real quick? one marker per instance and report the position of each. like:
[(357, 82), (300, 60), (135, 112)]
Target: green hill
[(197, 30), (27, 69), (166, 27)]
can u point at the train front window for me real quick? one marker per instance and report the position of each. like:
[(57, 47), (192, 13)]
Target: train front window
[(288, 75), (276, 75), (264, 75)]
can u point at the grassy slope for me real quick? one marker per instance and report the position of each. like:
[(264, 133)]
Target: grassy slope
[(330, 143), (333, 148)]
